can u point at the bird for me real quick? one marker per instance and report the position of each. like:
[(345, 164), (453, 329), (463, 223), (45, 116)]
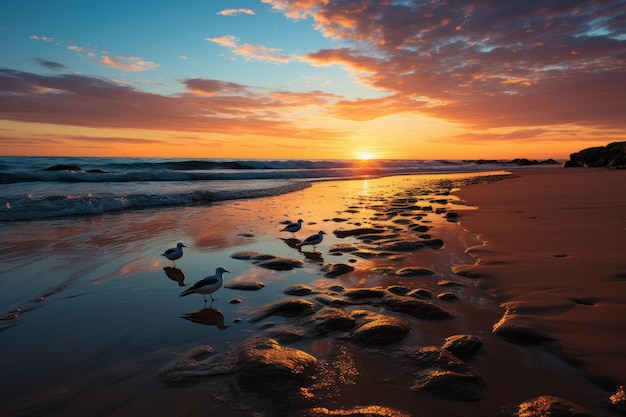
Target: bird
[(174, 253), (207, 285), (313, 240), (293, 227)]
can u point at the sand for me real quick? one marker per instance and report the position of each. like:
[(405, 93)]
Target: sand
[(93, 317), (555, 247)]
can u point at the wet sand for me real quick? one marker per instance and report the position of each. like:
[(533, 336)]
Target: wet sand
[(91, 317), (556, 252)]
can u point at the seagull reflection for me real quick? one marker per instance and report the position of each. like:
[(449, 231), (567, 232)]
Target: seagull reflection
[(175, 274), (291, 242), (208, 316), (313, 256)]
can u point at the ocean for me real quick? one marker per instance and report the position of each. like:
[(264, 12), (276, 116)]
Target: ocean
[(35, 188)]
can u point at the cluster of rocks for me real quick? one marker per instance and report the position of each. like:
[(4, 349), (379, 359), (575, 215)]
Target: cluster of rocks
[(516, 161), (278, 367), (611, 156)]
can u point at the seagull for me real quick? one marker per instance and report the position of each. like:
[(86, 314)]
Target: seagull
[(313, 240), (207, 285), (174, 253), (293, 227)]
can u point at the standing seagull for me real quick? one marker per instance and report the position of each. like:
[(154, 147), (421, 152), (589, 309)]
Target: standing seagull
[(313, 240), (293, 227), (174, 253), (207, 285)]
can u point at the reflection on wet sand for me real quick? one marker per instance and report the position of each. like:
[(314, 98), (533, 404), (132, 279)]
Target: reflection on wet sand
[(175, 274), (207, 316)]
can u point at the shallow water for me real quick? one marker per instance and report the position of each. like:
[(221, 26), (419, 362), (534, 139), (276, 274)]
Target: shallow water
[(90, 316)]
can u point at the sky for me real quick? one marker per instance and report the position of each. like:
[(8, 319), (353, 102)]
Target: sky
[(312, 79)]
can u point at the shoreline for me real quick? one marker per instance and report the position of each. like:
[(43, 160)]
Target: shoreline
[(554, 255), (110, 265)]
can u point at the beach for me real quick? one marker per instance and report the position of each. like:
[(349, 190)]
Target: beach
[(93, 325)]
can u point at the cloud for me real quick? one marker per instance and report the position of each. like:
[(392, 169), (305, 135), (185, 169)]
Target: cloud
[(481, 63), (41, 38), (134, 64), (233, 12), (206, 106), (252, 52), (50, 64)]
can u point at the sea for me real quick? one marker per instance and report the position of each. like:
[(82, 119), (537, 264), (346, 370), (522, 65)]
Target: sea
[(33, 188)]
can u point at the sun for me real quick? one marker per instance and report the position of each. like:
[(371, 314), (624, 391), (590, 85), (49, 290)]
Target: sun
[(365, 156)]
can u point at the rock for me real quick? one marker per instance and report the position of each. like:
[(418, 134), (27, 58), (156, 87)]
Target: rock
[(447, 296), (332, 319), (244, 285), (370, 411), (330, 300), (551, 406), (618, 400), (63, 167), (398, 290), (417, 308), (285, 334), (286, 306), (343, 233), (421, 293), (612, 156), (377, 329), (439, 358), (463, 345), (298, 289), (452, 385), (414, 271), (277, 263), (279, 374), (197, 363), (358, 293), (520, 329), (335, 269)]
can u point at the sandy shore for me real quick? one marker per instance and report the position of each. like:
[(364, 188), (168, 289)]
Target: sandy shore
[(556, 252), (90, 319)]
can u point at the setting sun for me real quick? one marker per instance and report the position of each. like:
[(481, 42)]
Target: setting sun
[(364, 156)]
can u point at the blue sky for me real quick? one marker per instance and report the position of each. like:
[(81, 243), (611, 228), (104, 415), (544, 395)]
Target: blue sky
[(305, 78)]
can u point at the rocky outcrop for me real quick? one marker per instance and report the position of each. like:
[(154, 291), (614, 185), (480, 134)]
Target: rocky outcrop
[(611, 156)]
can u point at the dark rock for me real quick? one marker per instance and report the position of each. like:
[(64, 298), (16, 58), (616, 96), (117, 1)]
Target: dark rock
[(414, 271), (378, 329), (463, 345), (416, 308), (399, 290), (199, 362), (618, 400), (63, 167), (421, 293), (370, 411), (244, 285), (279, 374), (434, 357), (298, 289), (358, 293), (551, 406), (447, 296), (332, 319), (456, 386), (286, 306), (612, 156), (357, 232), (335, 269), (285, 334), (277, 263), (520, 329)]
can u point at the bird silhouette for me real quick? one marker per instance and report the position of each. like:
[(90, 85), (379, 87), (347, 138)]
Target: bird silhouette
[(313, 240), (207, 285), (293, 227), (174, 253)]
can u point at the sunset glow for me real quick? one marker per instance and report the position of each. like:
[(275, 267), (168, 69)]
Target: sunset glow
[(312, 79)]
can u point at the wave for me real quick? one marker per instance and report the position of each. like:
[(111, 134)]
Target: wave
[(35, 208)]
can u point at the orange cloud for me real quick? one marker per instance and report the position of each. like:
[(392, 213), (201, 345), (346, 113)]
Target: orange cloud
[(134, 64)]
